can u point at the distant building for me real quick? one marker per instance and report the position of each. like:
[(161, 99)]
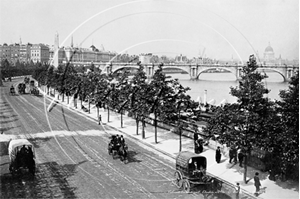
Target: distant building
[(269, 59), (40, 53), (16, 52), (181, 59), (5, 52), (25, 53)]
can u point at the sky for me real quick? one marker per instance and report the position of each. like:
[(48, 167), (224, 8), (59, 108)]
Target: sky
[(218, 29)]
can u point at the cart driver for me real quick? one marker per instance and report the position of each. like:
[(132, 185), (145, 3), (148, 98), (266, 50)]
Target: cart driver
[(23, 150), (122, 140)]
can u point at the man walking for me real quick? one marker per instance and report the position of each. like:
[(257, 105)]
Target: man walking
[(218, 155), (256, 183), (196, 141), (241, 157)]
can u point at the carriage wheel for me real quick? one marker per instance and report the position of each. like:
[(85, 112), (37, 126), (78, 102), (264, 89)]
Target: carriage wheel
[(178, 179), (186, 186)]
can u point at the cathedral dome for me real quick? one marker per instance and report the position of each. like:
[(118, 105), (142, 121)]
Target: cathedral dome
[(269, 49)]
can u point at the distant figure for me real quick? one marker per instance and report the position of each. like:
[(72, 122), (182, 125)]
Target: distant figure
[(237, 190), (256, 183), (200, 146), (241, 157), (231, 154), (122, 140), (196, 142), (218, 155)]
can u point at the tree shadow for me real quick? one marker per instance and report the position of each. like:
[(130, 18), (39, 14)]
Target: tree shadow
[(289, 184), (9, 121), (3, 129), (5, 116), (50, 181)]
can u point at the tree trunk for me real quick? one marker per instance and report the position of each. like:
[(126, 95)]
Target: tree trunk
[(121, 119), (89, 106), (180, 142), (137, 124), (67, 99), (63, 97), (155, 126), (107, 113), (143, 128), (245, 168)]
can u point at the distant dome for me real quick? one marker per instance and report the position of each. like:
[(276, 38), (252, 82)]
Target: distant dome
[(269, 49)]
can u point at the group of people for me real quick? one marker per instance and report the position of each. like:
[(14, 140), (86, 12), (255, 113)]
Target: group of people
[(198, 143), (235, 155), (117, 140)]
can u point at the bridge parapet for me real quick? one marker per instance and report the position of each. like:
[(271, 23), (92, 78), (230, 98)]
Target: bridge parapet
[(194, 70)]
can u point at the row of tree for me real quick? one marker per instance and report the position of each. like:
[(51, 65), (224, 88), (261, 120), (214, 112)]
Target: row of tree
[(256, 123), (162, 98), (253, 122)]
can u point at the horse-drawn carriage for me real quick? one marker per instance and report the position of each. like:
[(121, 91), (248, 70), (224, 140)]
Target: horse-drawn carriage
[(117, 147), (21, 88), (12, 90), (21, 154), (33, 89), (191, 171)]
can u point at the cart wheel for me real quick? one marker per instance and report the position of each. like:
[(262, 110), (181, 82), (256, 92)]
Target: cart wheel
[(186, 186), (178, 179)]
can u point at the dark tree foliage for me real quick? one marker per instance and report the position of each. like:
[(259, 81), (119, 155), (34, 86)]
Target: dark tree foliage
[(287, 140)]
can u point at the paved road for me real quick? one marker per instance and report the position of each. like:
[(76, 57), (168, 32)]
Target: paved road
[(72, 159)]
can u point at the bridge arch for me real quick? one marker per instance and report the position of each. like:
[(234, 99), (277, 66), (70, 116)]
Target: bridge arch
[(274, 70), (231, 70), (177, 67), (121, 67)]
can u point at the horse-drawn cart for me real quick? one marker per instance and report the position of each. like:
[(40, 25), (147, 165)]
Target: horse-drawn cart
[(21, 154), (191, 171), (12, 90), (117, 148)]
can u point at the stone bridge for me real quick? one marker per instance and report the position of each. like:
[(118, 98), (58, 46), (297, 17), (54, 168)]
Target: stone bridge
[(195, 70)]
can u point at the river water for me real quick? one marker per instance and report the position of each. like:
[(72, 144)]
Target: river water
[(217, 86)]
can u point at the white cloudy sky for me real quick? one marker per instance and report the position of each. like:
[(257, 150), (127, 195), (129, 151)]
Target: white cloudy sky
[(224, 28)]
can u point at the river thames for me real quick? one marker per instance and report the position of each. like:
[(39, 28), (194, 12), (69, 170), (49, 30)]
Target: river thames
[(218, 86)]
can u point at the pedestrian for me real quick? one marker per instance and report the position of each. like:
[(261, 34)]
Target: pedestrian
[(234, 154), (200, 146), (256, 183), (237, 190), (196, 142), (218, 155), (99, 119), (241, 157)]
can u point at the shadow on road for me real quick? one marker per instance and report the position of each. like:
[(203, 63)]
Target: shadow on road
[(50, 181)]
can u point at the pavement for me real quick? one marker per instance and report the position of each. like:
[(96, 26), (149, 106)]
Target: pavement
[(168, 143)]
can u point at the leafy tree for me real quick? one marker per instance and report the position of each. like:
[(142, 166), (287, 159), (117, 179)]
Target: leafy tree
[(288, 137), (243, 123), (138, 97)]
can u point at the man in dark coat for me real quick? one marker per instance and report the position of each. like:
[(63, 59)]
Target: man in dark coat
[(196, 142), (241, 158), (218, 155), (256, 183), (231, 154), (200, 146)]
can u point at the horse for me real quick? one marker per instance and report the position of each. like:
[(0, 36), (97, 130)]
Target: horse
[(123, 153)]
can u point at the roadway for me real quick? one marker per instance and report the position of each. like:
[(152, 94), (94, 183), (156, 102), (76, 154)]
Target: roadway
[(72, 159)]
